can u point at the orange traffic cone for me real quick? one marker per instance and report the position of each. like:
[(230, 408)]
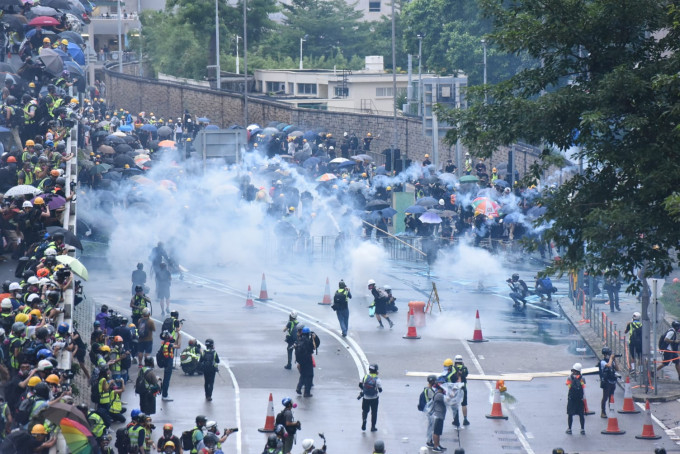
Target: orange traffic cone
[(263, 290), (647, 427), (411, 333), (628, 405), (477, 335), (249, 299), (613, 427), (496, 408), (326, 294), (269, 420), (586, 410)]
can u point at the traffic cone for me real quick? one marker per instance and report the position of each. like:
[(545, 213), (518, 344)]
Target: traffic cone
[(496, 408), (263, 290), (411, 333), (613, 427), (628, 405), (477, 335), (586, 410), (647, 427), (249, 299), (326, 294), (269, 420)]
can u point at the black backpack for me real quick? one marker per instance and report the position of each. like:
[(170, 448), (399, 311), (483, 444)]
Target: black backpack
[(636, 336), (208, 359), (168, 325), (576, 388), (187, 439), (24, 410), (126, 362), (122, 440), (94, 385), (280, 419), (662, 340), (339, 300), (140, 383), (142, 328), (161, 360)]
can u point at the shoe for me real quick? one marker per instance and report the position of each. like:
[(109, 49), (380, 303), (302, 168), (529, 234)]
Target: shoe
[(308, 395), (374, 429), (438, 449), (344, 334), (363, 425), (568, 431), (429, 444), (299, 391), (583, 431), (391, 323), (603, 415), (167, 399), (466, 422), (381, 326), (456, 423), (288, 366), (123, 402), (209, 399)]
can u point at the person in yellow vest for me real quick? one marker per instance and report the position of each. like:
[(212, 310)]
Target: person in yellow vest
[(46, 44), (494, 175), (116, 408), (468, 164), (25, 175)]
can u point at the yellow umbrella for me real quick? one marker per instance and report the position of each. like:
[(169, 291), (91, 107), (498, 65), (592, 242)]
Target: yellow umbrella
[(74, 264)]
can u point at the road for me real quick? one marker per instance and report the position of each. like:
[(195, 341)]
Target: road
[(250, 342)]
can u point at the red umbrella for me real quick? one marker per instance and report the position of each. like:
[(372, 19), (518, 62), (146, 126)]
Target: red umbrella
[(44, 21)]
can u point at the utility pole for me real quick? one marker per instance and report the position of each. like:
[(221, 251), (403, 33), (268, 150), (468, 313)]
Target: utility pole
[(245, 63), (237, 62), (394, 84), (484, 45), (218, 70)]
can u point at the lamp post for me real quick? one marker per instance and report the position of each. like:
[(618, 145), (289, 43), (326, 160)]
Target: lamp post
[(237, 61), (420, 74), (303, 39), (394, 86), (484, 46), (245, 63), (656, 285), (120, 39), (218, 70)]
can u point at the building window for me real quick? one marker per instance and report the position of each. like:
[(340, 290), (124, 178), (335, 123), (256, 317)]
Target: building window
[(291, 88), (275, 87), (341, 92), (382, 92), (373, 7), (306, 89)]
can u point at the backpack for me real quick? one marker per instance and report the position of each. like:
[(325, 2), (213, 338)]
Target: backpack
[(423, 402), (94, 385), (161, 360), (24, 410), (576, 389), (370, 386), (140, 383), (636, 336), (168, 325), (315, 339), (126, 363), (208, 359), (662, 340), (187, 439), (142, 328), (29, 351), (122, 440), (339, 300), (280, 419)]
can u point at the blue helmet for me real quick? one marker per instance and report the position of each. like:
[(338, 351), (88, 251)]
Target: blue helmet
[(63, 328), (44, 353), (286, 401), (134, 413), (306, 330)]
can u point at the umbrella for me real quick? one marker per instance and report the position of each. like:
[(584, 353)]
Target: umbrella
[(122, 148), (388, 212), (59, 410), (141, 159), (118, 134), (415, 209), (381, 170), (114, 140), (149, 128), (203, 119), (377, 204), (75, 265), (446, 213), (139, 179), (469, 179), (121, 160), (447, 177), (44, 21), (212, 128), (72, 37), (486, 206), (326, 177), (340, 161), (15, 22), (22, 189), (311, 162), (43, 11), (130, 140), (69, 237), (167, 184), (74, 68), (281, 126), (78, 437), (167, 143), (309, 135), (164, 131), (430, 218), (54, 202), (132, 171), (501, 183), (536, 212), (295, 134), (100, 168), (427, 201), (346, 164), (52, 61), (126, 128), (7, 68), (362, 157), (290, 128), (76, 52), (253, 126), (57, 4), (488, 192)]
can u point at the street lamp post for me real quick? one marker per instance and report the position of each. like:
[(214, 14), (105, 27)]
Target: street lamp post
[(218, 70), (656, 286), (420, 74), (120, 39), (303, 39), (237, 61), (484, 46), (245, 63)]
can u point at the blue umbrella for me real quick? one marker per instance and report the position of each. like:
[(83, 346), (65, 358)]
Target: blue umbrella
[(64, 56), (388, 212), (77, 53), (212, 127), (415, 209), (346, 164), (311, 162), (309, 135), (126, 128), (149, 128), (74, 68), (204, 119), (381, 171), (290, 128)]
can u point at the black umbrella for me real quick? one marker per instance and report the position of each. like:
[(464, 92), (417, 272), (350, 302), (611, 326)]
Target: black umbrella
[(56, 4), (7, 68), (114, 140), (100, 133), (164, 131), (121, 160), (122, 148), (130, 139), (376, 204), (72, 37), (127, 173), (69, 237), (15, 22)]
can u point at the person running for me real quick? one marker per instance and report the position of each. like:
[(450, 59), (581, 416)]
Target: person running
[(291, 336), (341, 306), (575, 406), (370, 389), (380, 302), (209, 361), (670, 353)]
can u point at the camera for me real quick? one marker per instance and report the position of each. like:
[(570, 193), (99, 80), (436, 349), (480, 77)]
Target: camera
[(115, 320)]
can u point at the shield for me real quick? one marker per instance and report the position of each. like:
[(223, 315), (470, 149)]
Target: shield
[(44, 21), (52, 61), (430, 218), (76, 53), (415, 209), (22, 189), (164, 131), (75, 265), (427, 201), (69, 237), (150, 128)]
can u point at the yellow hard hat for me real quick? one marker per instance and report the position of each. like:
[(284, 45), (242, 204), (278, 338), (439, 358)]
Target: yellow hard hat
[(31, 85), (494, 170), (291, 208), (38, 201), (368, 134), (23, 318), (448, 362), (127, 166), (35, 312), (46, 40), (189, 140), (389, 188), (52, 378), (105, 348), (169, 444), (33, 381), (64, 42), (74, 101), (364, 175), (39, 429), (30, 143), (427, 155)]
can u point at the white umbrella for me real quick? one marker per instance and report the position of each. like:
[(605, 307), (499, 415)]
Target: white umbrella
[(22, 189), (118, 134), (339, 160)]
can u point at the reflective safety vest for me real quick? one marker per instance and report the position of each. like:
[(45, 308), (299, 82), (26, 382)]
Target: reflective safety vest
[(27, 109), (134, 433), (104, 395), (14, 343), (27, 176), (116, 402), (634, 326), (494, 177), (168, 351), (141, 301), (96, 424), (115, 354), (291, 327)]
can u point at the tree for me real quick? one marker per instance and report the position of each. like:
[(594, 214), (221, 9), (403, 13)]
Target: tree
[(609, 85)]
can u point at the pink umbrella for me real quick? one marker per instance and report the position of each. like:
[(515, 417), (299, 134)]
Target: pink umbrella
[(43, 21)]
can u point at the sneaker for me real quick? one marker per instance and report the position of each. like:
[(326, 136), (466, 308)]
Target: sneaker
[(438, 449), (374, 429), (466, 422), (391, 323), (288, 366), (568, 431), (308, 395), (167, 399), (583, 431), (456, 422), (429, 444), (209, 399), (299, 391), (603, 415), (363, 425)]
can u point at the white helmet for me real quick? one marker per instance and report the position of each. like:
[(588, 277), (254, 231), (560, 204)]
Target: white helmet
[(387, 287), (577, 367), (14, 286), (371, 282), (307, 444), (636, 316), (458, 358), (44, 364), (44, 281), (293, 315), (50, 251), (32, 280), (32, 297), (27, 204), (6, 304), (210, 424)]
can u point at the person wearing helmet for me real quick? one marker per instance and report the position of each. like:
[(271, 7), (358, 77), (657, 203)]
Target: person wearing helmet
[(467, 166), (291, 336), (341, 306), (670, 343), (209, 361), (272, 446), (168, 353), (379, 447), (519, 291), (544, 287), (138, 303), (634, 329), (307, 446), (117, 357), (494, 176), (211, 430), (425, 405), (608, 377), (169, 439), (305, 347), (39, 441), (370, 387), (138, 278), (391, 300), (197, 432), (458, 374), (380, 299), (16, 343), (137, 433), (426, 161), (575, 406), (287, 419)]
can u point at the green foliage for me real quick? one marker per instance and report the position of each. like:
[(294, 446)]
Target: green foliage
[(671, 298), (606, 74)]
